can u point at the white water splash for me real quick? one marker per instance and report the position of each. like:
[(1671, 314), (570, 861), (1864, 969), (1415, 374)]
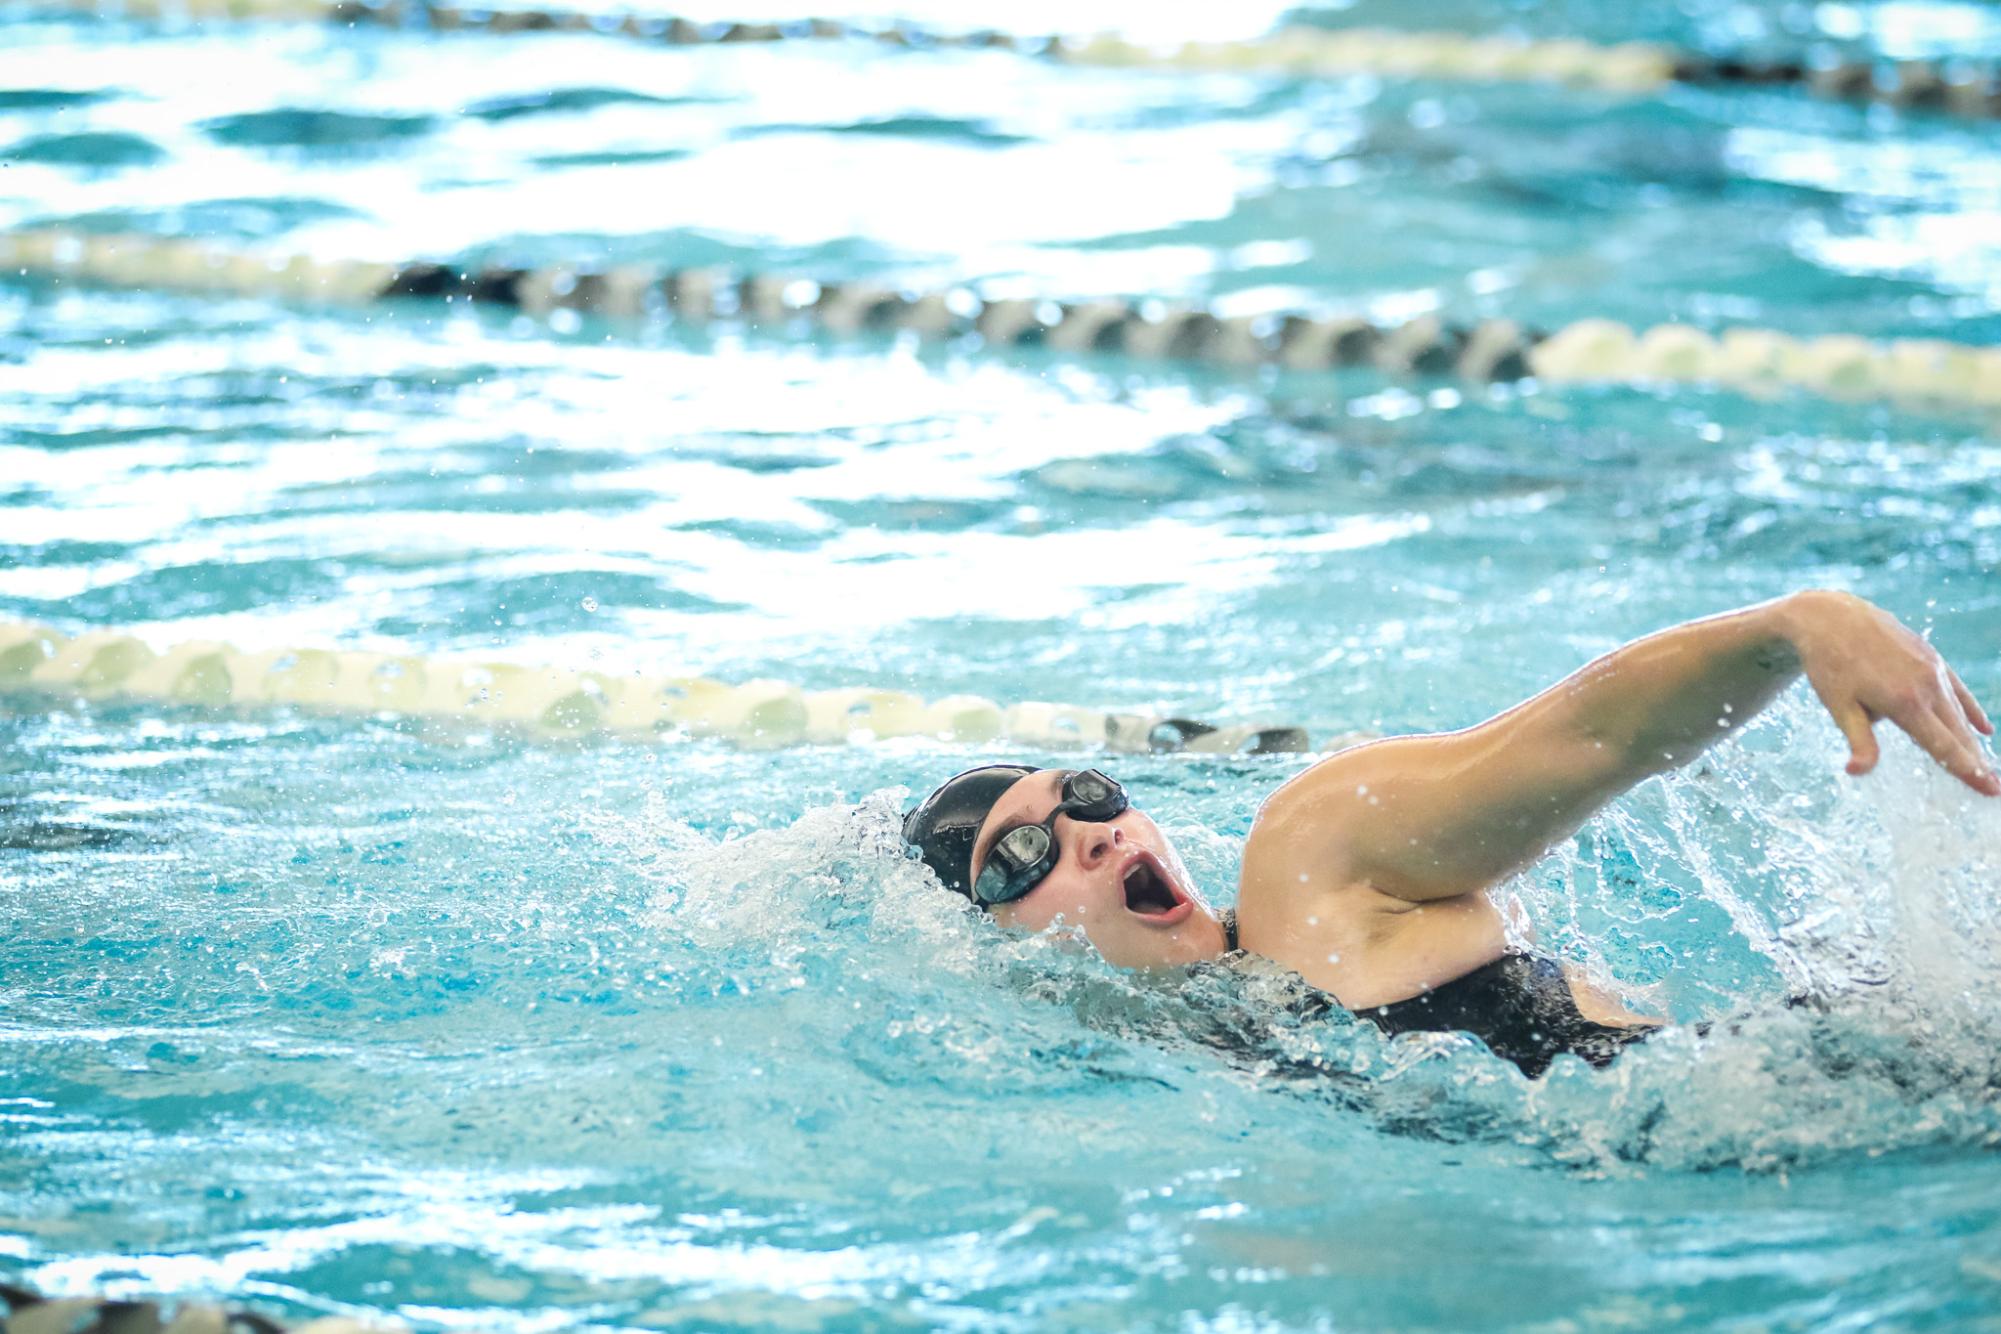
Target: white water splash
[(1763, 872), (1870, 901)]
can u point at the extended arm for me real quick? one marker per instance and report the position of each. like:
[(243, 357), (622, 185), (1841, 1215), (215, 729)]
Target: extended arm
[(1430, 817)]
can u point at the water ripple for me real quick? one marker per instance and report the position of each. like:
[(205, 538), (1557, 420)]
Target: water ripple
[(103, 150), (302, 127)]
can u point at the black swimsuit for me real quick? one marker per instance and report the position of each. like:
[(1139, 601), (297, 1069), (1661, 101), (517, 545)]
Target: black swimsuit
[(1520, 1005)]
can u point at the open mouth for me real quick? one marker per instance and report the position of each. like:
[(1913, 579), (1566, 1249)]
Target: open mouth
[(1148, 891)]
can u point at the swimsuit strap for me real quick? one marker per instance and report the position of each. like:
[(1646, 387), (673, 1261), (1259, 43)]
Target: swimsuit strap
[(1229, 920)]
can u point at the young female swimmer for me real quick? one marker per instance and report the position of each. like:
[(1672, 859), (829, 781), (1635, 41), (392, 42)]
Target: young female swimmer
[(1368, 873)]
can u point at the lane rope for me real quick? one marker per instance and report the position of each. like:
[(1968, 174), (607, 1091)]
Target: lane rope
[(556, 702), (1758, 361), (1628, 68), (29, 1312)]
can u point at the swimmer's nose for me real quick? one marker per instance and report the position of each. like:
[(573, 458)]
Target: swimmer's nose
[(1098, 843)]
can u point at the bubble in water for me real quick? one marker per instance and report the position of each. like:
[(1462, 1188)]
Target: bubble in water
[(590, 604)]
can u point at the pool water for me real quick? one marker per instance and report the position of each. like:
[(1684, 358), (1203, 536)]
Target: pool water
[(466, 1029)]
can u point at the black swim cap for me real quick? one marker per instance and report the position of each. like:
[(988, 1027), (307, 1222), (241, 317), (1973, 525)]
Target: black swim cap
[(945, 824)]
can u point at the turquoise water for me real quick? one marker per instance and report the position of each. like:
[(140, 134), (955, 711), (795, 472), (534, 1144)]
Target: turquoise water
[(348, 1015)]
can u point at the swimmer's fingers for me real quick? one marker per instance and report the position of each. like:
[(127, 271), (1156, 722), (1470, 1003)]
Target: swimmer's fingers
[(1978, 773), (1922, 714), (1974, 714), (1855, 724), (1953, 714), (1925, 720)]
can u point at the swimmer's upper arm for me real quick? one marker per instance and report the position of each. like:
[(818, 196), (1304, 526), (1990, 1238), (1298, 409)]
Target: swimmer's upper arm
[(1431, 817)]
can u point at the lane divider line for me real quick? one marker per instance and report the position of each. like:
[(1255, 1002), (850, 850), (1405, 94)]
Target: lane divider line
[(29, 1312), (1757, 361), (556, 702), (1628, 68)]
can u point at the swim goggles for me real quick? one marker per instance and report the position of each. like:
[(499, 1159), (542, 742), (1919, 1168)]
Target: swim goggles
[(1021, 857)]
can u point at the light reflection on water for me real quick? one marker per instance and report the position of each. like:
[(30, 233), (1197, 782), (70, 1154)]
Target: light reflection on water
[(344, 1016)]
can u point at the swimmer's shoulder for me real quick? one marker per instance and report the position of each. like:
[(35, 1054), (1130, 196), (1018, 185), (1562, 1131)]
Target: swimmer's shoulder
[(1304, 902), (1299, 901), (1298, 855), (1363, 816)]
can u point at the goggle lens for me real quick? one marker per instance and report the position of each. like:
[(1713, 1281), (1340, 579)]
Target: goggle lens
[(1025, 846), (1091, 788), (1024, 856)]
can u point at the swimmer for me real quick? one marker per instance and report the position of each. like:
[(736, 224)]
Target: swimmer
[(1368, 874)]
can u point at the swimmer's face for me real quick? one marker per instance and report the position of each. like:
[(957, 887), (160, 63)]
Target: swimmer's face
[(1118, 879)]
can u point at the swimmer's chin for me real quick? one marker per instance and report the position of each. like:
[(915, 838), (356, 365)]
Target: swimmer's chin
[(1173, 951)]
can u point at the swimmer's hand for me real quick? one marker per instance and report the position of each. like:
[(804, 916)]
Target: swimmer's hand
[(1866, 667)]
